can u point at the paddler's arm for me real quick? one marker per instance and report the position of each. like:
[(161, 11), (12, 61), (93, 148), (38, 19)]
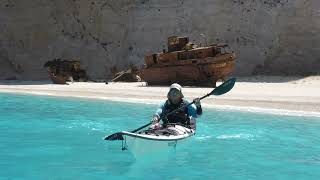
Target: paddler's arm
[(158, 112), (195, 110)]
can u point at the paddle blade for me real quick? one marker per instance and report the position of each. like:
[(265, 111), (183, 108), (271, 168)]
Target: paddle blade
[(224, 88), (114, 137)]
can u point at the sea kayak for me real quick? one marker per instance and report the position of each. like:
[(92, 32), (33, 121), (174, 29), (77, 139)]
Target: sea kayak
[(151, 141)]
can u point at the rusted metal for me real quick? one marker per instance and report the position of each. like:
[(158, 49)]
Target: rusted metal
[(177, 43), (187, 64), (130, 75), (60, 71), (125, 76)]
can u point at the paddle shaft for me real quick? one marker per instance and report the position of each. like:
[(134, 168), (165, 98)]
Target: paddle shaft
[(141, 127)]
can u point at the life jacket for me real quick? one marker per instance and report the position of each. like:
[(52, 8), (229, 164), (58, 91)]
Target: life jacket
[(180, 116)]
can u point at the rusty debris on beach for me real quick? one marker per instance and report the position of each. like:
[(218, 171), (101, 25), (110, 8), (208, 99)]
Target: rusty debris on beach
[(60, 71), (129, 75)]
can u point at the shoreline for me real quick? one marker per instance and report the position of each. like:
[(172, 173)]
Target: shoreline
[(250, 109), (295, 98)]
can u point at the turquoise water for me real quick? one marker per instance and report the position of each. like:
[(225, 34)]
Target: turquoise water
[(55, 138)]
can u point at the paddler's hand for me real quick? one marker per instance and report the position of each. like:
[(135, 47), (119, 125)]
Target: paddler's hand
[(197, 102), (156, 126), (155, 119)]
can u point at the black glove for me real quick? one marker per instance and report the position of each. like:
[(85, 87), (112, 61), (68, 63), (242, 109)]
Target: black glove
[(197, 102)]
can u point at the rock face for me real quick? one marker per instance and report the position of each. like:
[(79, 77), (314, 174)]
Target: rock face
[(276, 37)]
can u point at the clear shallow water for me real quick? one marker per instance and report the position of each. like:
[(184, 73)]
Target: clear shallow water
[(54, 138)]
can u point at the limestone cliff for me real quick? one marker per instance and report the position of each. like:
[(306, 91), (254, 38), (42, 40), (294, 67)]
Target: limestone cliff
[(269, 36)]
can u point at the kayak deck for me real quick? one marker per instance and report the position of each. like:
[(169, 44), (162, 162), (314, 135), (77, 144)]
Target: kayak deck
[(176, 132)]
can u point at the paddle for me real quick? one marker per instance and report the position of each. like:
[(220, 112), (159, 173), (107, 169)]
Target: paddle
[(222, 89)]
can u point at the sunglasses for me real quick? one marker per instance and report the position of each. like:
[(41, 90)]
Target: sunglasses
[(174, 93)]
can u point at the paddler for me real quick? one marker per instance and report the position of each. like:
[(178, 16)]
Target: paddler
[(175, 100)]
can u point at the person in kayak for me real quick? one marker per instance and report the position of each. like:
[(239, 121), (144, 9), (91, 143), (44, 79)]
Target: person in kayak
[(175, 100)]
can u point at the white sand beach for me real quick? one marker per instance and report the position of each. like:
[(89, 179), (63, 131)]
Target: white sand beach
[(280, 95)]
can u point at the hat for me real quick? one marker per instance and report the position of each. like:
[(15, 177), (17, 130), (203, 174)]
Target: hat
[(176, 86)]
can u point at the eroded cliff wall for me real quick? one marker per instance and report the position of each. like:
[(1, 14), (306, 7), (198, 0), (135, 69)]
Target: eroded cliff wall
[(269, 36)]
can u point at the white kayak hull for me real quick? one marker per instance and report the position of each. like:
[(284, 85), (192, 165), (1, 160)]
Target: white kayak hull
[(143, 144)]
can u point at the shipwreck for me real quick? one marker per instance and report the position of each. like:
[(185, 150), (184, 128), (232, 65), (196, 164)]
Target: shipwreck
[(187, 64), (60, 71)]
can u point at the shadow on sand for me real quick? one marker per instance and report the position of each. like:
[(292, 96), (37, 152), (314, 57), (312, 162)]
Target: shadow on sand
[(20, 82), (251, 79), (269, 79)]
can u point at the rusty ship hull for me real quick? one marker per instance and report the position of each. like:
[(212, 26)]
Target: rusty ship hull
[(202, 66), (196, 73)]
